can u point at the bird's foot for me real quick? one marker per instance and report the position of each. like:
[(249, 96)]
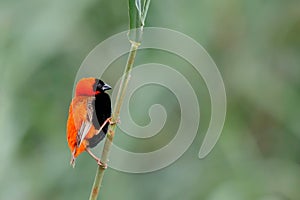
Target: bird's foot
[(111, 122), (101, 164)]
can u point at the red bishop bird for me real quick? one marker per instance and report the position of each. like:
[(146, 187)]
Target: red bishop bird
[(89, 117)]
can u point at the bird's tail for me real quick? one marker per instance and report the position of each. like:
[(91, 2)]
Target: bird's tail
[(72, 161)]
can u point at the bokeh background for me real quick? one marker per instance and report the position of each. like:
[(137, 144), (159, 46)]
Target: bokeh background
[(255, 44)]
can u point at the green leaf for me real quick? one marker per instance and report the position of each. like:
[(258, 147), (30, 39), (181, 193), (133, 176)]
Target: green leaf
[(142, 9), (132, 14)]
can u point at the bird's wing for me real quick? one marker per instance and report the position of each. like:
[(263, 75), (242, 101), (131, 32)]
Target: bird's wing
[(87, 123)]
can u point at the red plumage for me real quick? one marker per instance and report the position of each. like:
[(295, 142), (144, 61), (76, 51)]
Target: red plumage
[(89, 114)]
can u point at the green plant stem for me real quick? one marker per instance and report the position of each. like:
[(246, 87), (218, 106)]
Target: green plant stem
[(137, 18), (115, 116)]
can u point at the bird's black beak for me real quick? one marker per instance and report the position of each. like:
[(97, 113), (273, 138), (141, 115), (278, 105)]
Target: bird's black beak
[(106, 87)]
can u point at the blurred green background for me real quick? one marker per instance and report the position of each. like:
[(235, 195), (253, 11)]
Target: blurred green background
[(255, 44)]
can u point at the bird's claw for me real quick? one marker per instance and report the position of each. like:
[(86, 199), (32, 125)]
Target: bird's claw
[(114, 122), (102, 165)]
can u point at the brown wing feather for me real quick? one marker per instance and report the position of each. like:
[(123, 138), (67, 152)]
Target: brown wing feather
[(83, 113)]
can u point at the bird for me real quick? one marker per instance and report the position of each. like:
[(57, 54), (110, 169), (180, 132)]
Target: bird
[(89, 117)]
